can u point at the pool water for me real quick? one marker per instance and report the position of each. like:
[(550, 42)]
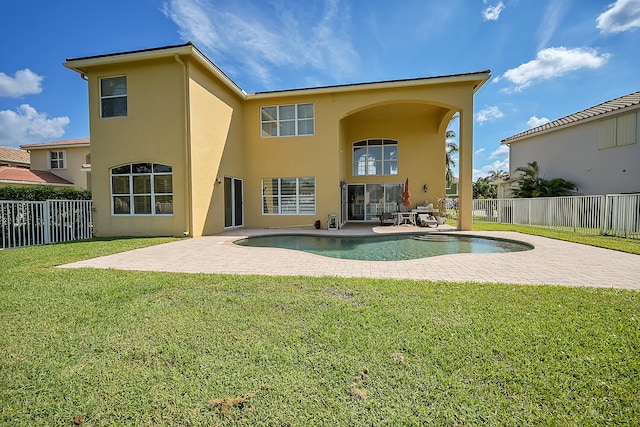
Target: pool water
[(395, 247)]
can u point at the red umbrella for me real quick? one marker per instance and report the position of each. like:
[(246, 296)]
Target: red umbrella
[(406, 194)]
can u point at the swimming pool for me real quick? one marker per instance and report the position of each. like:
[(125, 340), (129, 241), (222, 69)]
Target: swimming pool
[(395, 247)]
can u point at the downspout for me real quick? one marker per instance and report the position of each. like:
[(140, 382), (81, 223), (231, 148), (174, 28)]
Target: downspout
[(187, 149)]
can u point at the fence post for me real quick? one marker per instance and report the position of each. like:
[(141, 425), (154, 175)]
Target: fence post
[(575, 214), (47, 222)]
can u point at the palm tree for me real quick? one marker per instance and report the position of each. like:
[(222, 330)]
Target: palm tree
[(484, 188), (531, 184), (452, 148), (498, 175)]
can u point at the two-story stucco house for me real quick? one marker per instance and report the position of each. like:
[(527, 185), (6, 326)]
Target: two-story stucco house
[(68, 159), (596, 148), (178, 148)]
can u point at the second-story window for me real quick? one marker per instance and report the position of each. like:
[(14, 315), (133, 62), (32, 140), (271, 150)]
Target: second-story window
[(287, 120), (56, 160), (375, 157), (113, 96)]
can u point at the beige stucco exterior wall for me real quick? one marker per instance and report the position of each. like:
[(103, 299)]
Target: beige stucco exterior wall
[(153, 131), (75, 158), (414, 116), (216, 150), (291, 157), (572, 153)]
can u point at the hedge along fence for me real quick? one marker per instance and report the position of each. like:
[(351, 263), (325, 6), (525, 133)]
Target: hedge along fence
[(39, 193), (40, 215)]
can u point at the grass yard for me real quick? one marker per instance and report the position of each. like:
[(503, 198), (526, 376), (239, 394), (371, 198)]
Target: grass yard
[(102, 347), (608, 242)]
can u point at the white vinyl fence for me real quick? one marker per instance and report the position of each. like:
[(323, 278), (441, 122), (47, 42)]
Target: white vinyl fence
[(39, 223), (611, 214)]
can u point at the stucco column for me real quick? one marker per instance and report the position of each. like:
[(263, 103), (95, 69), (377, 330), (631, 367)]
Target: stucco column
[(465, 188)]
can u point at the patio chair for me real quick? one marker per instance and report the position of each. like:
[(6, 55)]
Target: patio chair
[(387, 218), (426, 220)]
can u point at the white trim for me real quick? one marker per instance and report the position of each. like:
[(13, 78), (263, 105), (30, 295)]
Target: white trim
[(296, 120), (131, 195), (297, 197), (58, 160)]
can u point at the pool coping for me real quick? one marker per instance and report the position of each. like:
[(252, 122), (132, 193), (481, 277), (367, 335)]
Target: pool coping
[(551, 261)]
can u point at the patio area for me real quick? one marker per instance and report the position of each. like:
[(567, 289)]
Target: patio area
[(551, 261)]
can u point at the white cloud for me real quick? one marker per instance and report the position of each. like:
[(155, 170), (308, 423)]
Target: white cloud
[(480, 150), (553, 17), (621, 16), (259, 44), (500, 153), (488, 114), (26, 125), (193, 23), (492, 13), (494, 166), (535, 121), (553, 62), (24, 82)]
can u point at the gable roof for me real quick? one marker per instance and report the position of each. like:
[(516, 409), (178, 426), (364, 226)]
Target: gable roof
[(14, 155), (28, 176), (78, 142), (609, 107), (81, 65)]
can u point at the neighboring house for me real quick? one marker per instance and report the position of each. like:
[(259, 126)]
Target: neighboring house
[(13, 157), (596, 148), (179, 149), (15, 172), (67, 159)]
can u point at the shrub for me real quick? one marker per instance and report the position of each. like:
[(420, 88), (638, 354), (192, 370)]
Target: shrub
[(42, 192)]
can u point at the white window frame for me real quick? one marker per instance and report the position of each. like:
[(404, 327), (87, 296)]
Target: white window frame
[(110, 97), (289, 204), (277, 121), (131, 194), (60, 159), (370, 163)]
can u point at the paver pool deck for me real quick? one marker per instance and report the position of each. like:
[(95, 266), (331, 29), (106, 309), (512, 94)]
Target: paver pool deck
[(551, 261)]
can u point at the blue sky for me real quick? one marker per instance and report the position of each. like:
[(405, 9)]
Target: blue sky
[(548, 58)]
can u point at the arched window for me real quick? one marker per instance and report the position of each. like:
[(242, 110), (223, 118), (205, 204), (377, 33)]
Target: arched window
[(375, 157), (142, 189)]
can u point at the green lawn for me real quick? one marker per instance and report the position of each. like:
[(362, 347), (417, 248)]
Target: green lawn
[(607, 242), (137, 348)]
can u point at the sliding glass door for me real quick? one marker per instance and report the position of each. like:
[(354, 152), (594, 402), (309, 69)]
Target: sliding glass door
[(233, 209), (366, 202)]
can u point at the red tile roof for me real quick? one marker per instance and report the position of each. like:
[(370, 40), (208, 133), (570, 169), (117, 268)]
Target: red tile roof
[(28, 176), (14, 155)]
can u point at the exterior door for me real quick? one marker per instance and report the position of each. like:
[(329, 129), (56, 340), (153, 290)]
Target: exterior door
[(355, 194), (233, 203)]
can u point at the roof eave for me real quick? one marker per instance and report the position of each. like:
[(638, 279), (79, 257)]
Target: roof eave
[(29, 147), (81, 65), (480, 78), (530, 133), (14, 181)]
